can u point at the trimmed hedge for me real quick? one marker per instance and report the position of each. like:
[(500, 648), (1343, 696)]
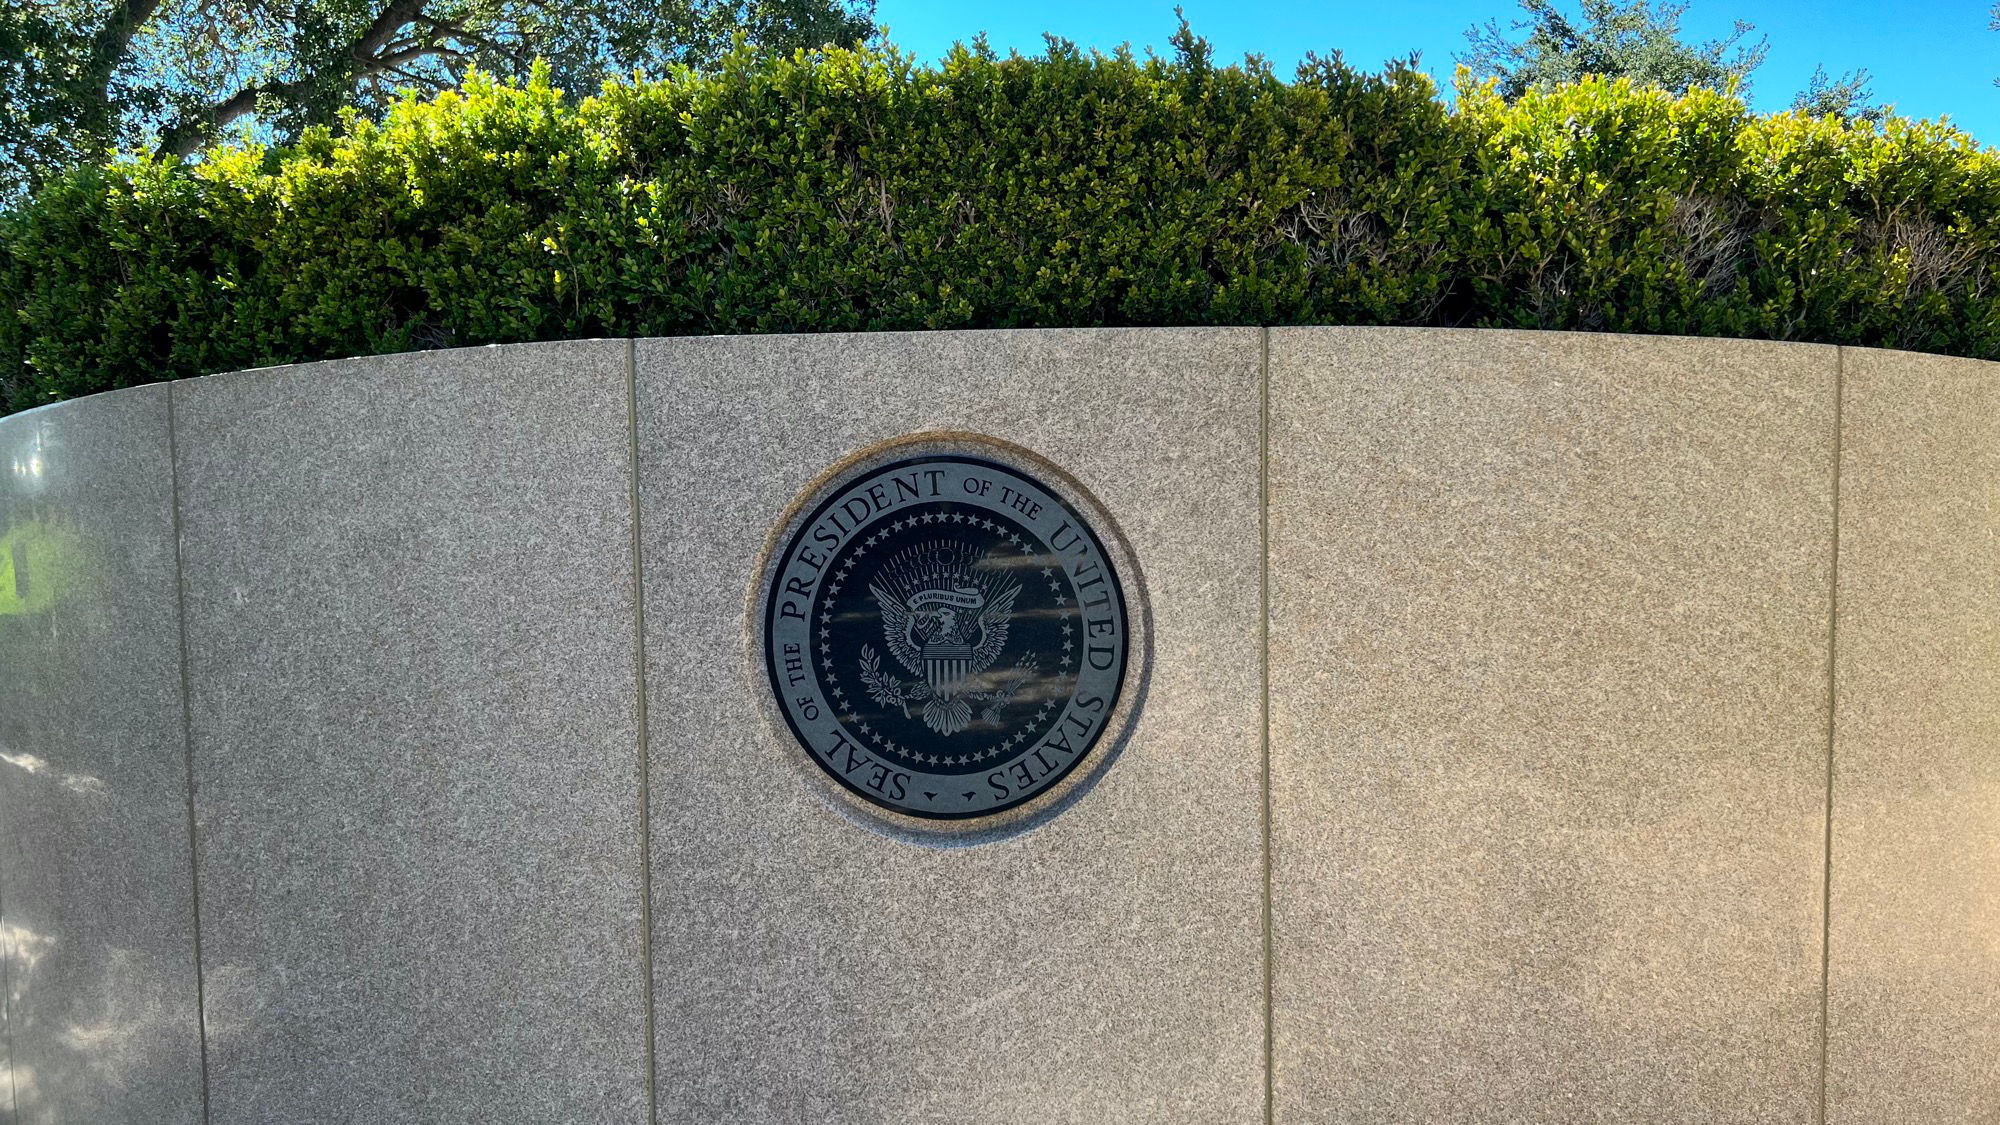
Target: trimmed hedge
[(848, 190)]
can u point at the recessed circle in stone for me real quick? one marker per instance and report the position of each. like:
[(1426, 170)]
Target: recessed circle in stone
[(946, 636)]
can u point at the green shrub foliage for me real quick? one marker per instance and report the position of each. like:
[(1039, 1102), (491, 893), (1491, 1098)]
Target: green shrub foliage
[(855, 190)]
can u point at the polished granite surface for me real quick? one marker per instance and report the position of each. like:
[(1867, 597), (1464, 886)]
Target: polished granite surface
[(1914, 996), (1550, 633), (1548, 726), (96, 893), (1105, 966), (411, 662)]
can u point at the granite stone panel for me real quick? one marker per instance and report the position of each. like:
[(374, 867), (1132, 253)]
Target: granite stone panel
[(1548, 729), (96, 888), (1914, 943), (1103, 966), (7, 1112), (412, 638)]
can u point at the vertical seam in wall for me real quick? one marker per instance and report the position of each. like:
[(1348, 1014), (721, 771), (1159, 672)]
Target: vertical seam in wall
[(187, 743), (645, 764), (1264, 694), (1832, 717)]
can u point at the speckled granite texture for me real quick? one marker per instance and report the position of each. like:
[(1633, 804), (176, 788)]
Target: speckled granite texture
[(1914, 997), (1548, 726), (1105, 967), (1551, 630), (411, 643), (96, 910)]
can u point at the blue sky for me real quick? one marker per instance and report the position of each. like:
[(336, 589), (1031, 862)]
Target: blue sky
[(1931, 58)]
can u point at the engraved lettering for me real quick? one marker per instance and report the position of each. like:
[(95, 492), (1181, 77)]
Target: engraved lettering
[(938, 651)]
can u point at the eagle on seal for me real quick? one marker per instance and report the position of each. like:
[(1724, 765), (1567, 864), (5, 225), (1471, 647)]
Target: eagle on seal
[(945, 619)]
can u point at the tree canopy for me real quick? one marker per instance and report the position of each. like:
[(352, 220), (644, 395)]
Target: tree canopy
[(81, 77), (1847, 97), (1640, 40)]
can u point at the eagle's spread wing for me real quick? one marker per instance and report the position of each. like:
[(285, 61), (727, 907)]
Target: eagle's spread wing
[(993, 621), (896, 630)]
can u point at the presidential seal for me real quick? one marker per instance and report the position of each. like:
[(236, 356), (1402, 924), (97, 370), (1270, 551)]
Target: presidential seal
[(946, 636)]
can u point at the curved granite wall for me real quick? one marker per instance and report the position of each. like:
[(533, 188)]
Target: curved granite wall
[(1538, 727)]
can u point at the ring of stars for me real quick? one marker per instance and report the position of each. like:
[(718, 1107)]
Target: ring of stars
[(1033, 729)]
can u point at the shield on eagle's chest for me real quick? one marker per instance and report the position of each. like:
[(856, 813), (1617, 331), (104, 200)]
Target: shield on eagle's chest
[(945, 613), (943, 621), (946, 666)]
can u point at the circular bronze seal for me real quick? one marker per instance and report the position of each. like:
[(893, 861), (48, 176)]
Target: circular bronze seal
[(946, 636)]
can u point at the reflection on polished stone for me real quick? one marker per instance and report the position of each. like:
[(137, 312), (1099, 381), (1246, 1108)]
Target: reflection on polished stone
[(96, 898), (1478, 767)]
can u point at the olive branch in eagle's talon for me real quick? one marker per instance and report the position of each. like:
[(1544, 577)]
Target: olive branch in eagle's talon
[(886, 689)]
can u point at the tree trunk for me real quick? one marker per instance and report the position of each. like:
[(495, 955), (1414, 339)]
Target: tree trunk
[(187, 135)]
